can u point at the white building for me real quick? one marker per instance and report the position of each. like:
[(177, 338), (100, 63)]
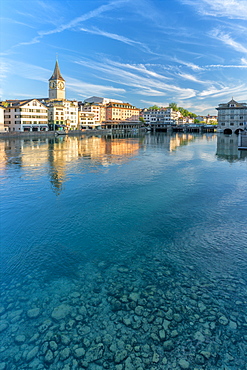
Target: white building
[(86, 120), (98, 109), (25, 115), (62, 113), (161, 117), (96, 99), (232, 117)]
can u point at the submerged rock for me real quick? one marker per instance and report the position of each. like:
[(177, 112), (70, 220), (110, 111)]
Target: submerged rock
[(33, 313), (60, 312)]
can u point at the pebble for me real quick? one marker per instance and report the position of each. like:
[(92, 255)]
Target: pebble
[(20, 339), (3, 325), (33, 313), (184, 364), (168, 345), (49, 357), (64, 354), (223, 320), (32, 353), (79, 352), (60, 312)]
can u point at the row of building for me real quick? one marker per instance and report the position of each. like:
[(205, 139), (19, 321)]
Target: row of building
[(58, 113)]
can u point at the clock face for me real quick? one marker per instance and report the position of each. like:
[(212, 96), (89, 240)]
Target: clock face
[(60, 85), (53, 84)]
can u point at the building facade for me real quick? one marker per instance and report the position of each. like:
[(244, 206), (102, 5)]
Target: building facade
[(2, 127), (25, 115), (86, 120), (121, 112), (98, 109), (232, 117), (158, 118)]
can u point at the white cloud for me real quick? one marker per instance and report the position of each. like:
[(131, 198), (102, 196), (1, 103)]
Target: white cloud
[(119, 73), (193, 66), (233, 9), (226, 39), (224, 90), (86, 89), (76, 21), (189, 77)]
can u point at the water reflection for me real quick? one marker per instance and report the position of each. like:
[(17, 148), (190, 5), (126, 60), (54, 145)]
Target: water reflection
[(227, 148), (53, 156)]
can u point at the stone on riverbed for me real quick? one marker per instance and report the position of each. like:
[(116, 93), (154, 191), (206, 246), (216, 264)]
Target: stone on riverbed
[(33, 313), (60, 312)]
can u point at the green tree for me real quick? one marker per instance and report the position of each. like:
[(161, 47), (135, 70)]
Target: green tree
[(174, 106), (154, 107)]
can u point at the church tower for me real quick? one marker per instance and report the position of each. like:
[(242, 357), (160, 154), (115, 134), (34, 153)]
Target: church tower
[(56, 84)]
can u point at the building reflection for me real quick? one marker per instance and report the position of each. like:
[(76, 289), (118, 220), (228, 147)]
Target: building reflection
[(53, 156), (227, 148), (170, 142)]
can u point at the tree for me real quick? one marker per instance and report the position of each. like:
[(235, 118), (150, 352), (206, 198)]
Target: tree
[(154, 107), (174, 106)]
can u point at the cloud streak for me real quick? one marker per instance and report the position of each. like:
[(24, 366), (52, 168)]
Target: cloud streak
[(232, 9), (228, 40), (119, 73)]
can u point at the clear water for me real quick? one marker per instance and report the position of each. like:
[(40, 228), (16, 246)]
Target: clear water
[(133, 247)]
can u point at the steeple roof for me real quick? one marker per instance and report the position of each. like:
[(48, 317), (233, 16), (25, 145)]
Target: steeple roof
[(56, 74)]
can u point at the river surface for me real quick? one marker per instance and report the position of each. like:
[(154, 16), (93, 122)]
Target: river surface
[(123, 252)]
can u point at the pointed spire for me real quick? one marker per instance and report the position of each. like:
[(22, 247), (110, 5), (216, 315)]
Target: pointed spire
[(56, 74)]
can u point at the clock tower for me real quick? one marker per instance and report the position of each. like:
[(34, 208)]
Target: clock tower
[(56, 84)]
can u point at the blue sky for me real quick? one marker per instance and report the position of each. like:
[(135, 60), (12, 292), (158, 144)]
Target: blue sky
[(145, 52)]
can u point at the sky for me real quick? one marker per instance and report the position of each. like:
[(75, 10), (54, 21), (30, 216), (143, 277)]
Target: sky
[(144, 52)]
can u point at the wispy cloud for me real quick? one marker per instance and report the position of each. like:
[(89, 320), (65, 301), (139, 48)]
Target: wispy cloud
[(76, 21), (114, 36), (224, 90), (232, 9), (227, 40), (85, 89), (192, 78), (217, 66), (191, 65), (120, 74)]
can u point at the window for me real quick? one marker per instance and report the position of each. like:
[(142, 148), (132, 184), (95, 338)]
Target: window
[(223, 124), (231, 124)]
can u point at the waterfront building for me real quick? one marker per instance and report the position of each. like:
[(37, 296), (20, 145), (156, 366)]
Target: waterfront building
[(25, 115), (232, 117), (86, 120), (121, 112), (161, 118), (2, 127), (99, 100), (98, 110)]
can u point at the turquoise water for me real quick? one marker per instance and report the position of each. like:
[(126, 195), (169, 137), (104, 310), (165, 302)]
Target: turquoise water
[(123, 252)]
